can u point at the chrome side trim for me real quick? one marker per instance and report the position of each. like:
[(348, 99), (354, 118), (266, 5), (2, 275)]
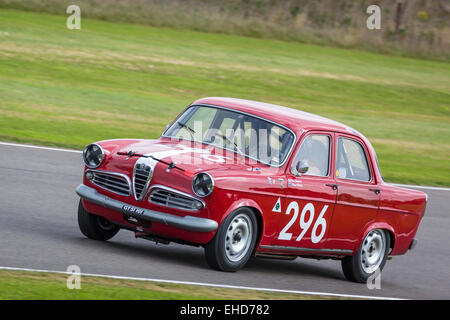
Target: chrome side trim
[(111, 174), (288, 155), (287, 248), (158, 186), (189, 223)]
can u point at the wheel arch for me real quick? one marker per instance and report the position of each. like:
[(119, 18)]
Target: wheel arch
[(382, 226), (256, 209)]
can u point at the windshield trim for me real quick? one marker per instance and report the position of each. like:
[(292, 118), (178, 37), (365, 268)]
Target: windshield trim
[(288, 155)]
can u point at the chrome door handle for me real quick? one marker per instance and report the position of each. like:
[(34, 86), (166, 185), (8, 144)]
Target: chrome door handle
[(377, 191), (332, 185)]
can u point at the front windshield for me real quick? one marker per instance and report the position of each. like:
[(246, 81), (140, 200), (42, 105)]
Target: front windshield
[(243, 134)]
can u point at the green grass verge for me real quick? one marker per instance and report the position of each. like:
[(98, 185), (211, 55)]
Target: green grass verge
[(27, 285), (67, 88)]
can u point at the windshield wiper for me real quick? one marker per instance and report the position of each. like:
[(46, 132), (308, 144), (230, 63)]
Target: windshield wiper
[(230, 142), (191, 131), (170, 165)]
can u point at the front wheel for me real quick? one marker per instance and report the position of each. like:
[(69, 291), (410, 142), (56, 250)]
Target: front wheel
[(371, 256), (233, 244), (95, 227)]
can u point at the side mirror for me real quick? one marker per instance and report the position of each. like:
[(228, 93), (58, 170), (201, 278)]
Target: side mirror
[(300, 168)]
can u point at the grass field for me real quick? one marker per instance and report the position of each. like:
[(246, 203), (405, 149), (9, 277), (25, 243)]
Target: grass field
[(420, 30), (67, 88), (26, 285)]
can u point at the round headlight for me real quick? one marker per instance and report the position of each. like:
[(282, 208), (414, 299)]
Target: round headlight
[(93, 155), (203, 184)]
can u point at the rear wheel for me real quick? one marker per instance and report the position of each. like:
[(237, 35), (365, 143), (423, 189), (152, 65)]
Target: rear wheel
[(371, 256), (95, 227), (233, 244)]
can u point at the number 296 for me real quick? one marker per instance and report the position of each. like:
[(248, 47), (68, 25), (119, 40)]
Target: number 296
[(305, 225)]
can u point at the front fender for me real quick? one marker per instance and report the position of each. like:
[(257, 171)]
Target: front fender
[(239, 204), (248, 203)]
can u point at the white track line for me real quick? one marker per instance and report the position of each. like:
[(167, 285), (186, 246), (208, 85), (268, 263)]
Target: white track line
[(420, 187), (38, 147), (78, 151), (205, 284)]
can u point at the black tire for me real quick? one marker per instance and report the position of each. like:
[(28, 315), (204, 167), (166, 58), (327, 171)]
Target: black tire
[(95, 227), (217, 253), (353, 266)]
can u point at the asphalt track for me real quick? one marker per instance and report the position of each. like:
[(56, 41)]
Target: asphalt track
[(39, 230)]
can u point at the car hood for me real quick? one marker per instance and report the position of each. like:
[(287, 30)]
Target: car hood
[(191, 158)]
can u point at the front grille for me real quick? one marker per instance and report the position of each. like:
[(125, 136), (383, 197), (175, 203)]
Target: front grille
[(111, 182), (173, 199), (142, 174)]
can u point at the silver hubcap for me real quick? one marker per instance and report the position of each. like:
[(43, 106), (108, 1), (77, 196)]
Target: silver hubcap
[(373, 249), (238, 237)]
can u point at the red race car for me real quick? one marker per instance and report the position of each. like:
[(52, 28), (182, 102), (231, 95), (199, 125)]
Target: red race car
[(244, 178)]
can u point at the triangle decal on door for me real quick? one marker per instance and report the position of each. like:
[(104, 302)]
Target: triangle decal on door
[(277, 206)]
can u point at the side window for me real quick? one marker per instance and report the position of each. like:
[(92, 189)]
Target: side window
[(351, 162), (315, 150)]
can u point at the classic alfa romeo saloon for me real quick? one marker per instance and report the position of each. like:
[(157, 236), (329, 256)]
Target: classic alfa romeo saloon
[(243, 178)]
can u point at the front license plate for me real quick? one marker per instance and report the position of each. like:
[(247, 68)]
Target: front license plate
[(131, 209)]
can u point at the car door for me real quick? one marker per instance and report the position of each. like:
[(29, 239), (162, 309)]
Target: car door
[(357, 194), (310, 198)]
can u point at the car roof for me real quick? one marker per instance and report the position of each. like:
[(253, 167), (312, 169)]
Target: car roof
[(294, 119)]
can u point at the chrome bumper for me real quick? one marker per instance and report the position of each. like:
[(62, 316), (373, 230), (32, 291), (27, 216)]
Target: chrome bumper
[(189, 223)]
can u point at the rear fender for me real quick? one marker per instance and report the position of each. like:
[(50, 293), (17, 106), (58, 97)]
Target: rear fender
[(379, 225)]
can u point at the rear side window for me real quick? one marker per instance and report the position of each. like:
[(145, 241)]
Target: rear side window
[(351, 162)]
